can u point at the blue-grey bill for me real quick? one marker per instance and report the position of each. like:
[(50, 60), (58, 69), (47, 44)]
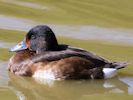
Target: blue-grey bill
[(19, 47)]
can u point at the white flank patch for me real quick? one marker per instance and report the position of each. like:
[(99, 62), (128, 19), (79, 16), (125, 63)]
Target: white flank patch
[(109, 72), (45, 74)]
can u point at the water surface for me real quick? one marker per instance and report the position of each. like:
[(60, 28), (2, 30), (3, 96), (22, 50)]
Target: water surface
[(95, 20), (84, 32)]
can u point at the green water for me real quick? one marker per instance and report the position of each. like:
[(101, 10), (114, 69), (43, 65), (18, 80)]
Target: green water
[(70, 90), (104, 13), (109, 13)]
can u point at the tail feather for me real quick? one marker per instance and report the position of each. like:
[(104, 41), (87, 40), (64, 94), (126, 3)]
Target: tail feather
[(119, 65), (110, 70)]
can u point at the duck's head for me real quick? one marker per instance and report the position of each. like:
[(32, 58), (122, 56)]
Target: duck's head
[(39, 39)]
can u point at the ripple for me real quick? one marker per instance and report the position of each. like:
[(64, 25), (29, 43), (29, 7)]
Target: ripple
[(26, 4), (84, 32), (13, 23), (129, 82), (3, 73), (6, 45)]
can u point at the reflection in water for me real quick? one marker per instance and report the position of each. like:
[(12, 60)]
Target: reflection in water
[(70, 89), (129, 82), (18, 93), (26, 88)]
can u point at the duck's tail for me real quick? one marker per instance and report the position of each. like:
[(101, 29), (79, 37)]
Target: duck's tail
[(119, 65), (111, 69)]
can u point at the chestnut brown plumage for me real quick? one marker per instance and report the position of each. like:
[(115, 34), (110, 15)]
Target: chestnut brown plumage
[(42, 52)]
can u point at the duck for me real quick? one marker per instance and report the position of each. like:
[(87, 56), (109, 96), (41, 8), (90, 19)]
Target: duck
[(39, 55)]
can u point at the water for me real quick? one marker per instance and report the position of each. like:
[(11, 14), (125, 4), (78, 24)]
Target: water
[(26, 88), (6, 45), (75, 31), (26, 4)]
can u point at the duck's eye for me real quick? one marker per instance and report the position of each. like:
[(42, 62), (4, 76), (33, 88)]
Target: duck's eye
[(33, 37)]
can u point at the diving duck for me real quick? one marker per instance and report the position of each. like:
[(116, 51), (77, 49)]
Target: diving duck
[(39, 55)]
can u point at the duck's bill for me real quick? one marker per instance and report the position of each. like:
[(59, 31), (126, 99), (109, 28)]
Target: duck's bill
[(19, 47)]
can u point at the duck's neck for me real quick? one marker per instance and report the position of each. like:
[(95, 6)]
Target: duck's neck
[(48, 48), (52, 45)]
